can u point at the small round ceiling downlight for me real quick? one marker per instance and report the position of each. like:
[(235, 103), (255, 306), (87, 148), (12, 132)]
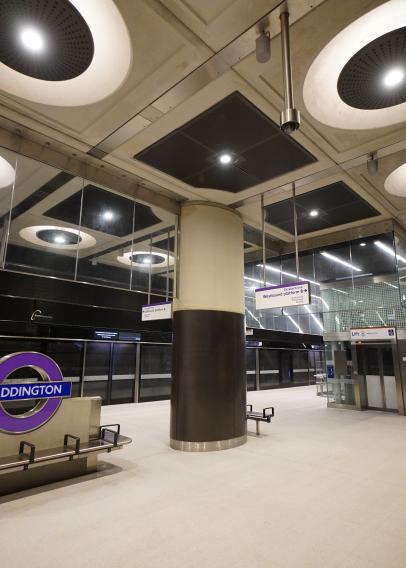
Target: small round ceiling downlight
[(358, 80), (395, 183), (63, 53)]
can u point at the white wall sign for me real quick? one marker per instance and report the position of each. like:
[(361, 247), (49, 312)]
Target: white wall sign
[(284, 296), (372, 333), (159, 311)]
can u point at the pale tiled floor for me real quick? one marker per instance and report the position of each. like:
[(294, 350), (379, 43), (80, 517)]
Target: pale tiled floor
[(321, 488)]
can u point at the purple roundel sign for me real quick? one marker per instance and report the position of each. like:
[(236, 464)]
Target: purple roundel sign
[(50, 373)]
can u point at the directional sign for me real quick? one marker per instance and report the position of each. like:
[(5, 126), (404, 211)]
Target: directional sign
[(284, 296)]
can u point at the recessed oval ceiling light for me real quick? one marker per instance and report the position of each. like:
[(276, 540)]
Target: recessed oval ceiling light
[(225, 159), (62, 238), (395, 183), (393, 78), (144, 259), (7, 173), (89, 69), (371, 45), (32, 39), (313, 213), (363, 244)]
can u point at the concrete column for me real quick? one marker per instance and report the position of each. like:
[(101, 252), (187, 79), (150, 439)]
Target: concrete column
[(208, 374)]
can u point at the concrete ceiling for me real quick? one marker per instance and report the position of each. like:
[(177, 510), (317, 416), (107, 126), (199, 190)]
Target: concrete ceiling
[(187, 56)]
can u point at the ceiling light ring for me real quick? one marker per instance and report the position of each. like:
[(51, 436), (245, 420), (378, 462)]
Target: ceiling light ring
[(325, 105), (126, 258), (30, 234), (105, 74)]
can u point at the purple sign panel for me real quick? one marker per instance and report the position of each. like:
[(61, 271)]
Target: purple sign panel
[(39, 415)]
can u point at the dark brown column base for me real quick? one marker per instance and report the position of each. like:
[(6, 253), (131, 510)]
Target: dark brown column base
[(208, 403)]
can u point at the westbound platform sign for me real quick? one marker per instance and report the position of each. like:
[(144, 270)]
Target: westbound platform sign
[(158, 311), (284, 296)]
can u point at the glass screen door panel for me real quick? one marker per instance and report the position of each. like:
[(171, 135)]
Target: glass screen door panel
[(250, 357), (374, 391), (156, 369), (97, 370), (286, 367), (123, 373), (268, 368), (300, 367)]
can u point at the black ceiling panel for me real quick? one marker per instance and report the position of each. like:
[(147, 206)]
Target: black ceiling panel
[(96, 202), (275, 157), (232, 179), (232, 124), (260, 150), (336, 204)]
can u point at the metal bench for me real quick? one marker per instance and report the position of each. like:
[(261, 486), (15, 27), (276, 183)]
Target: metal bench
[(72, 448), (265, 416)]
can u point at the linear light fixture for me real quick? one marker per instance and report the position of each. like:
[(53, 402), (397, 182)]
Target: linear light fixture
[(341, 291), (389, 251), (257, 281), (322, 300), (272, 269), (308, 310), (295, 324), (255, 318), (391, 285), (339, 261)]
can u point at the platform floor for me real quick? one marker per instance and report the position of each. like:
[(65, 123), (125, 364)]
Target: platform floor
[(320, 488)]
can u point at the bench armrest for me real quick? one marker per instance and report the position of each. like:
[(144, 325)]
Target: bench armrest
[(109, 428), (75, 438), (271, 414), (31, 455)]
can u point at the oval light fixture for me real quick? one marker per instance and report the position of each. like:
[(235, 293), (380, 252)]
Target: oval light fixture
[(61, 54), (395, 183), (356, 81), (7, 173), (62, 238), (144, 259)]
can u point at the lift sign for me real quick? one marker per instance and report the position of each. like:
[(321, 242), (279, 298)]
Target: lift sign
[(50, 392)]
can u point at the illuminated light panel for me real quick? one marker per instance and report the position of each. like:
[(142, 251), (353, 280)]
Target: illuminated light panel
[(340, 261), (389, 251), (393, 78), (325, 104), (7, 173), (32, 40)]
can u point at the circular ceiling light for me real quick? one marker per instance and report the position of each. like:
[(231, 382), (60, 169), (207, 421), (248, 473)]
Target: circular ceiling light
[(145, 259), (356, 81), (363, 244), (313, 213), (62, 238), (108, 215), (7, 173), (225, 159), (59, 52), (395, 183), (393, 78), (32, 39)]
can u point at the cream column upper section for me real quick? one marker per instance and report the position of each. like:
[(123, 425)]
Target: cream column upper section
[(211, 268)]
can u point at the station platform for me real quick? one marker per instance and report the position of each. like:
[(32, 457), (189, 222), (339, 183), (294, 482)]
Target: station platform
[(319, 488)]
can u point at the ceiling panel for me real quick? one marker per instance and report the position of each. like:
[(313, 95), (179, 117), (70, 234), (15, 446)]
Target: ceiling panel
[(260, 151), (335, 204)]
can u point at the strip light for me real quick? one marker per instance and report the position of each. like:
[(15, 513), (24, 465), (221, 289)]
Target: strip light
[(339, 261), (322, 300), (255, 318), (389, 251), (295, 324), (272, 269), (314, 317)]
